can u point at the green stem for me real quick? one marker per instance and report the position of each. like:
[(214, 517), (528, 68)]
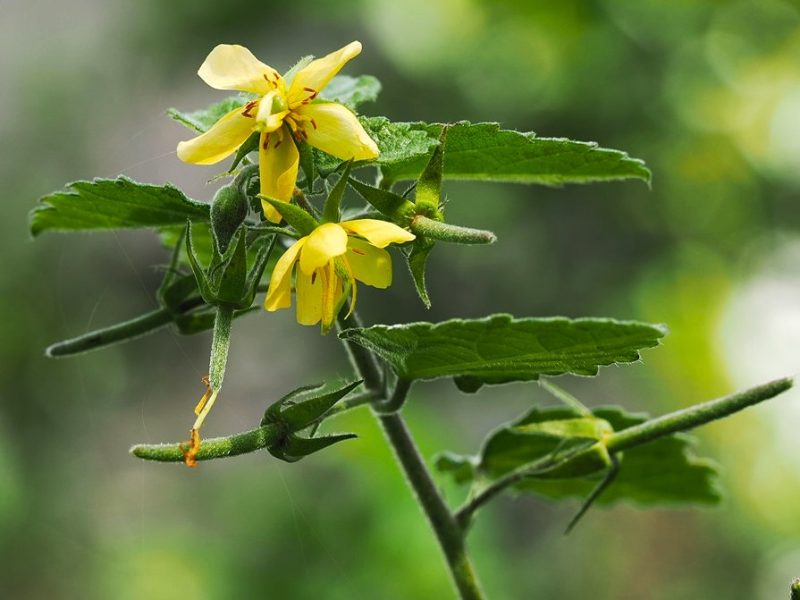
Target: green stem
[(220, 343), (648, 431), (363, 360), (136, 327), (240, 443), (445, 527), (396, 400), (694, 416), (446, 232)]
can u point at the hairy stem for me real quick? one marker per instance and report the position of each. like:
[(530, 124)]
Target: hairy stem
[(447, 530), (694, 416)]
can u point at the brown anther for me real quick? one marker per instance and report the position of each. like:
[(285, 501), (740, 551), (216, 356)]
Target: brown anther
[(314, 123), (248, 109), (278, 143), (303, 133), (265, 145), (313, 278), (359, 252), (191, 448)]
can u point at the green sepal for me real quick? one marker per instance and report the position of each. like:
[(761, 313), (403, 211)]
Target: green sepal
[(302, 407), (248, 146), (429, 184), (231, 283), (203, 283), (295, 448), (308, 167), (331, 211), (391, 205), (417, 260), (228, 212), (298, 218)]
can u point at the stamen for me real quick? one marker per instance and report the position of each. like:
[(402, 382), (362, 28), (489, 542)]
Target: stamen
[(248, 109), (265, 145), (314, 123), (311, 97), (313, 278), (278, 143), (359, 252)]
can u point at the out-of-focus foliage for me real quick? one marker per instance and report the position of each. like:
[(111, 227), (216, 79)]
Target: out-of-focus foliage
[(706, 93)]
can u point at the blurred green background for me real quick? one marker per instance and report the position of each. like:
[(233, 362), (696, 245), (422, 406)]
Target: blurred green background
[(707, 93)]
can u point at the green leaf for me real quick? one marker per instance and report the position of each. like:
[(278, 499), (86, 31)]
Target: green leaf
[(201, 120), (486, 152), (352, 91), (664, 471), (120, 203), (502, 349), (397, 142)]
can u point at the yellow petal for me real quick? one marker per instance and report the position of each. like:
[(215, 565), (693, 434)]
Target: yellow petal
[(279, 294), (309, 297), (369, 264), (378, 233), (331, 295), (334, 129), (278, 162), (316, 75), (233, 67), (325, 242), (224, 137)]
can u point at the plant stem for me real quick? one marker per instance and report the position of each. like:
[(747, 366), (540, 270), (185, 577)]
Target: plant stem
[(220, 343), (446, 232), (694, 416), (133, 328), (240, 443), (444, 525), (448, 532)]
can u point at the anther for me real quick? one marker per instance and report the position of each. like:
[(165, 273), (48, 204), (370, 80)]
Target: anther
[(265, 145), (359, 252), (314, 123), (248, 108)]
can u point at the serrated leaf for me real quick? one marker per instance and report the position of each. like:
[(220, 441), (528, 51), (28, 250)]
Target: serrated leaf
[(485, 151), (663, 471), (104, 204), (502, 349), (352, 91), (201, 120), (397, 142)]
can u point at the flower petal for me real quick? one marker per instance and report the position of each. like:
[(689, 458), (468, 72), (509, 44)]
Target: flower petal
[(278, 163), (316, 75), (309, 297), (331, 295), (233, 67), (219, 142), (369, 264), (334, 129), (279, 294), (378, 233), (325, 242)]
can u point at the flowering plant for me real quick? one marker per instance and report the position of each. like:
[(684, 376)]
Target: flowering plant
[(301, 159)]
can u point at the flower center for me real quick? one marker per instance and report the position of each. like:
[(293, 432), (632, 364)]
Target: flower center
[(272, 108)]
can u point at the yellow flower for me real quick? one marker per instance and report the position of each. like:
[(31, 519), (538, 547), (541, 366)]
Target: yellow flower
[(330, 258), (279, 113)]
